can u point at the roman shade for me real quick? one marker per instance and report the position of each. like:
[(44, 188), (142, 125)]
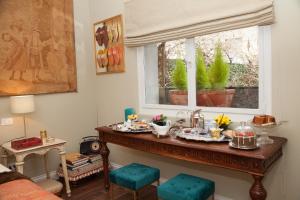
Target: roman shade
[(151, 21)]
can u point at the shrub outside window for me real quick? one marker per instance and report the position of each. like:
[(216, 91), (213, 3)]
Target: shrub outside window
[(228, 70)]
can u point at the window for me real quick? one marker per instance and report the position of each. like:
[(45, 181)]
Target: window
[(221, 72)]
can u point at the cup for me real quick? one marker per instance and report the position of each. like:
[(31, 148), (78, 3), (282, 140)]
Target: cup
[(215, 133), (128, 111)]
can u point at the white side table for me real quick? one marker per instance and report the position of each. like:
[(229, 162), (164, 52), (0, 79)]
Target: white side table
[(41, 150)]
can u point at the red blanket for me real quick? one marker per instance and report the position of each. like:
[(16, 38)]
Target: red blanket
[(24, 190)]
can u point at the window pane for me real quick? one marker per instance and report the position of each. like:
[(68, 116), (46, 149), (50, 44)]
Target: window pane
[(165, 73), (227, 69)]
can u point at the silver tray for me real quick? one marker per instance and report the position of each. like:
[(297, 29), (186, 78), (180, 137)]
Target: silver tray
[(116, 127), (201, 137), (243, 147)]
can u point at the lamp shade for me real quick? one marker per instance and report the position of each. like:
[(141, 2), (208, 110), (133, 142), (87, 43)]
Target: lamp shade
[(22, 104)]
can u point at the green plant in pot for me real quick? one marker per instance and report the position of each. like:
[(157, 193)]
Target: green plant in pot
[(219, 70), (179, 96), (202, 79), (211, 83)]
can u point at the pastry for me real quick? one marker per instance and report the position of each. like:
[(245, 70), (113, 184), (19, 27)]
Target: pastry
[(244, 137), (140, 125), (263, 119)]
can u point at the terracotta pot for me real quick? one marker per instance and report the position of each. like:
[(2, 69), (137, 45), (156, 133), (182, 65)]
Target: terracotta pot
[(178, 97), (215, 98)]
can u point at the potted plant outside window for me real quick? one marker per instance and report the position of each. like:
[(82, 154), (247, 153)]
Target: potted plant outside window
[(211, 83), (179, 96)]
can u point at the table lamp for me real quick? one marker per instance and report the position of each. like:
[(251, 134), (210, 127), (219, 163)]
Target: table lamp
[(22, 105)]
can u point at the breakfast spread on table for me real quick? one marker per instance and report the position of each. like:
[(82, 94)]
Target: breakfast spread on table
[(242, 137)]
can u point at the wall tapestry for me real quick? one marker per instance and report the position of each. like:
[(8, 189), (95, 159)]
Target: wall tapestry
[(37, 48), (109, 45)]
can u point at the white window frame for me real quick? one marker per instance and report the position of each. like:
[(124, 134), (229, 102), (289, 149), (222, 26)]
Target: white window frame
[(237, 114)]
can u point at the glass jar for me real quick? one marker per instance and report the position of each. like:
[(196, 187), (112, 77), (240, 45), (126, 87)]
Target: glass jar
[(209, 124), (244, 137), (244, 130)]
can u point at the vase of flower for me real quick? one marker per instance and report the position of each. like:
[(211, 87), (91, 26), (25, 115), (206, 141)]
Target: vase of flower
[(161, 125), (222, 122)]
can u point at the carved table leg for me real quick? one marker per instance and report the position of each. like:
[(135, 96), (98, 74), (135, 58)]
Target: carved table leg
[(257, 191), (104, 153)]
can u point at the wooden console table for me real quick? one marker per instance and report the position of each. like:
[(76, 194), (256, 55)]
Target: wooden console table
[(255, 162)]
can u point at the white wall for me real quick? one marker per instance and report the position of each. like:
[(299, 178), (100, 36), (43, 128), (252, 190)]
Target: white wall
[(69, 116), (116, 91)]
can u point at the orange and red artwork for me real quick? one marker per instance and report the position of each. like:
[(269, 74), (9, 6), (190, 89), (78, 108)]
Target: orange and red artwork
[(37, 48), (109, 45)]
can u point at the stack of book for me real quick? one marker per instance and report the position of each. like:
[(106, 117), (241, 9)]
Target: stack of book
[(76, 161), (94, 158)]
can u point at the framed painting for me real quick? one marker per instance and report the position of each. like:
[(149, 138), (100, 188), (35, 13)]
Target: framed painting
[(109, 45), (37, 47)]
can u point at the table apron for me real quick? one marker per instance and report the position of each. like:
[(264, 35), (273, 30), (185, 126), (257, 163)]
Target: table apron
[(248, 165)]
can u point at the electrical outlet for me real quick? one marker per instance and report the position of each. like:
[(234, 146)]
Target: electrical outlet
[(6, 121)]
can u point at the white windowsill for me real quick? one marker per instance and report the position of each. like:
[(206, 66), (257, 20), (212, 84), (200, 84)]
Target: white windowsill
[(236, 114)]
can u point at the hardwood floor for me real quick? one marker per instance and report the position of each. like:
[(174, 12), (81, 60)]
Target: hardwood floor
[(93, 189)]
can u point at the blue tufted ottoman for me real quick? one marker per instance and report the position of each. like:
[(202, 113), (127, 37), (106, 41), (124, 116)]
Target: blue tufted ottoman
[(133, 177), (186, 187)]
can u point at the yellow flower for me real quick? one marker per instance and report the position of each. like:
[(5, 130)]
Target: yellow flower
[(222, 119), (132, 117)]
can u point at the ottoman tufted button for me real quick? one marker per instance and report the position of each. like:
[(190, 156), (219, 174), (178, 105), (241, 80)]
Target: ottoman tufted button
[(134, 176), (192, 188)]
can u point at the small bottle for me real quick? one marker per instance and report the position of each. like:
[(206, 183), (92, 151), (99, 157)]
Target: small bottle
[(43, 135)]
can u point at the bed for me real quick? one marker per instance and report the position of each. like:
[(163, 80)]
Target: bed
[(15, 186)]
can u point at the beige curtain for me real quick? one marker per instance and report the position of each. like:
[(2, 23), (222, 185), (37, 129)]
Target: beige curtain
[(151, 21)]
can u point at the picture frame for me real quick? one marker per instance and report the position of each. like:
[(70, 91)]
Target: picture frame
[(109, 46)]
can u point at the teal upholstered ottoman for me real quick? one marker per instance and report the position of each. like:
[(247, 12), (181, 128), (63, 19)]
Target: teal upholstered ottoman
[(134, 177), (186, 187)]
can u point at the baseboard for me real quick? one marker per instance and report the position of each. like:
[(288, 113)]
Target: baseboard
[(219, 197), (115, 165), (162, 180), (52, 174)]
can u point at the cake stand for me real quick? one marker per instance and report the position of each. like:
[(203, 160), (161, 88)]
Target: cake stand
[(264, 130)]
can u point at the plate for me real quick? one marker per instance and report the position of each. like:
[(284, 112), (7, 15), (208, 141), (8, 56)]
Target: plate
[(268, 125), (243, 147)]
